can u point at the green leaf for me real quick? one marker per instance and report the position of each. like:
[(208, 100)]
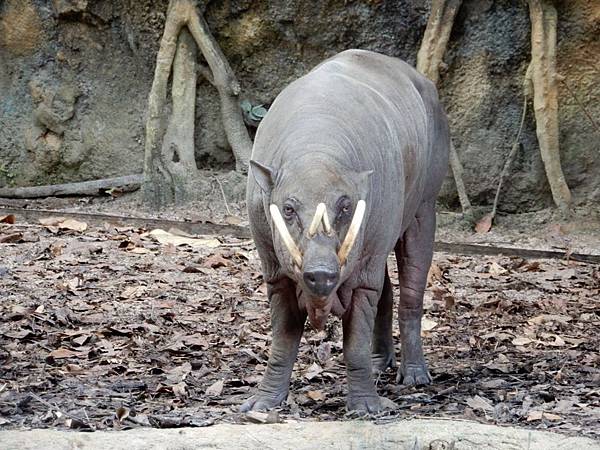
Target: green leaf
[(257, 113)]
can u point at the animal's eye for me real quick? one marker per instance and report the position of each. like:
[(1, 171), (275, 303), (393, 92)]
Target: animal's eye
[(344, 207), (288, 211)]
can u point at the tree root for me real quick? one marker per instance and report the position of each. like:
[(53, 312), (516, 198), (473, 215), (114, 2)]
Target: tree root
[(545, 96), (435, 38), (429, 58), (169, 150)]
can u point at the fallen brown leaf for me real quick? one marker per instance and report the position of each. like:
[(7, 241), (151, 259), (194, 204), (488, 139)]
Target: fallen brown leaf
[(215, 261), (10, 218), (215, 389), (428, 324), (312, 371), (480, 403), (484, 224), (72, 224), (317, 396), (165, 238), (60, 353), (10, 238)]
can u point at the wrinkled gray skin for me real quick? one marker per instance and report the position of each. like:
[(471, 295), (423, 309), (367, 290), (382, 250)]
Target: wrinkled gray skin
[(358, 126)]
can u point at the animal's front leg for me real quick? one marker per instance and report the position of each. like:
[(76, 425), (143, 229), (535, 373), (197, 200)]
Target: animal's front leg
[(358, 329), (287, 323)]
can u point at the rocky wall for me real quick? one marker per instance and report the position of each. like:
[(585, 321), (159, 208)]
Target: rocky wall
[(75, 75)]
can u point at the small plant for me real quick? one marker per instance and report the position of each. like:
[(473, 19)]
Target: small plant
[(6, 172), (255, 113)]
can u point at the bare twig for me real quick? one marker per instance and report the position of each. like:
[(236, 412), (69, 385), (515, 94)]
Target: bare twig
[(510, 157), (201, 228), (580, 104), (223, 194), (57, 409), (457, 173)]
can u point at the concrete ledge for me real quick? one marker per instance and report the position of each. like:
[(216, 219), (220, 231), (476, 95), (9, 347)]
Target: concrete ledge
[(409, 434)]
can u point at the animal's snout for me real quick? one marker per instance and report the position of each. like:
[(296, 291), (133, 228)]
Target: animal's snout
[(321, 281)]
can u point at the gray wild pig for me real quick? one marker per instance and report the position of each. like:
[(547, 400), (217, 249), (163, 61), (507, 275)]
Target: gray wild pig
[(346, 167)]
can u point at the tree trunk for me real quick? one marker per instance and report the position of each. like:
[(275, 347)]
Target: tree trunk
[(156, 177), (169, 164), (545, 96), (429, 58), (436, 36), (228, 87), (177, 153)]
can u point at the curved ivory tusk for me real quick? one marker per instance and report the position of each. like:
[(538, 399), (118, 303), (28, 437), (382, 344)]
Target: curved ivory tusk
[(326, 224), (285, 235), (352, 233), (314, 225)]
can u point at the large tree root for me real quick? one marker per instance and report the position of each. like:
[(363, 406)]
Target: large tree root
[(169, 167), (545, 96), (94, 187), (435, 38), (429, 58)]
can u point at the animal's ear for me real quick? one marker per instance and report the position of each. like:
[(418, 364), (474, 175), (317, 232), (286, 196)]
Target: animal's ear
[(363, 181), (263, 175)]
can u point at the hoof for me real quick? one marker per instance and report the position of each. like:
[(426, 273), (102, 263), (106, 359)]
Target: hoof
[(261, 402), (364, 404), (413, 375)]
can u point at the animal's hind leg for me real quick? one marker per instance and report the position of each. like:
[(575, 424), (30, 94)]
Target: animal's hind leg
[(383, 342), (414, 253)]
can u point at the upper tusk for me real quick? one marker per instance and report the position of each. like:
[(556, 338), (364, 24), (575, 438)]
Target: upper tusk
[(352, 233), (285, 235), (314, 225), (326, 224)]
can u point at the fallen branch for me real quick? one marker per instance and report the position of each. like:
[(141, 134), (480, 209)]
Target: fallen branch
[(242, 232), (198, 228), (126, 183), (492, 250)]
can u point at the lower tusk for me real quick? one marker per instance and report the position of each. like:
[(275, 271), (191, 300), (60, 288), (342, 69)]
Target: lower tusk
[(285, 235), (314, 225), (352, 233)]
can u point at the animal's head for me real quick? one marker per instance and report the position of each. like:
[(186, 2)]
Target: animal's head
[(316, 211)]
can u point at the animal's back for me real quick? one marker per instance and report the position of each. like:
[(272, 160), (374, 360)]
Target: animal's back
[(361, 106), (366, 111)]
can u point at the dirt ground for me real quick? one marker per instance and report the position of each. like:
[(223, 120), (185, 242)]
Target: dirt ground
[(410, 434), (108, 328)]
